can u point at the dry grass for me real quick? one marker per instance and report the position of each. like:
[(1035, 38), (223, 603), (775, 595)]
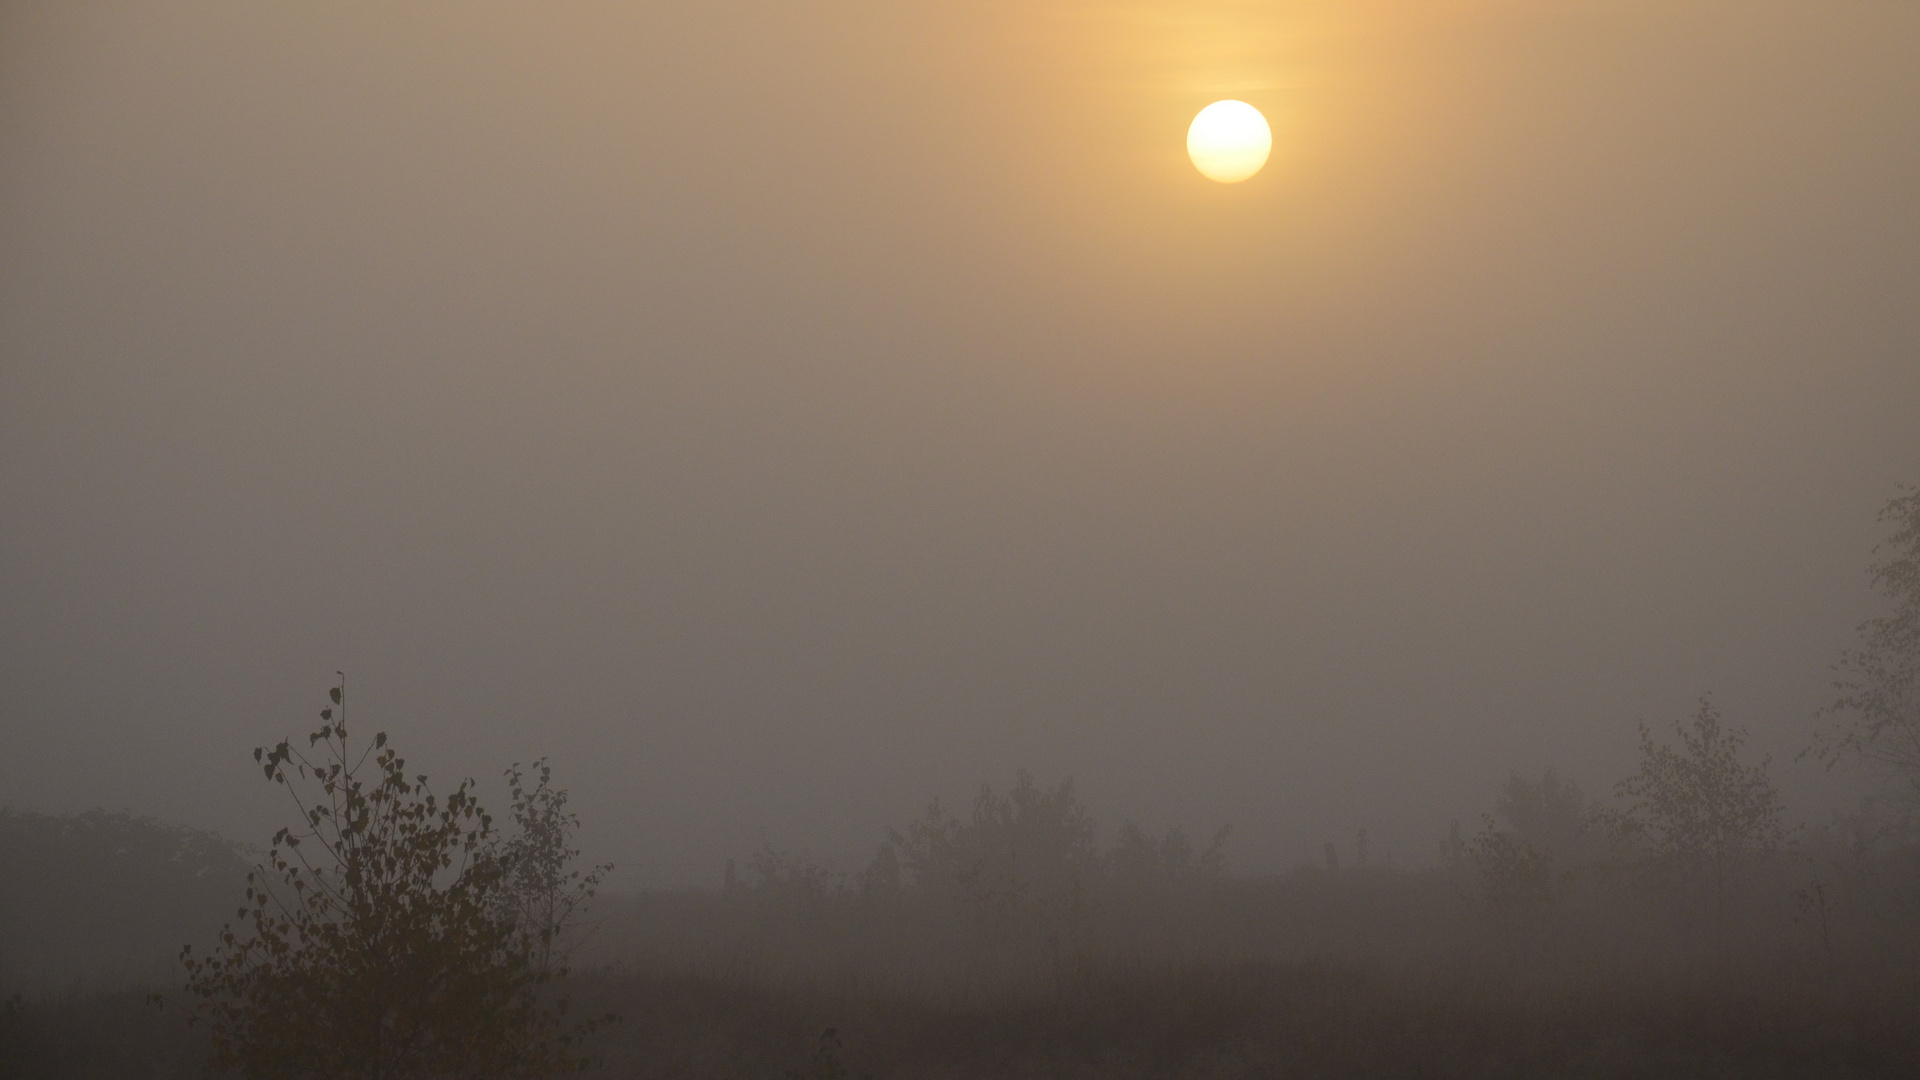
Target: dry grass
[(1309, 976), (1298, 1019), (1307, 1019)]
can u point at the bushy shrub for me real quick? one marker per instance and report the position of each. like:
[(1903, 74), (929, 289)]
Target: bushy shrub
[(1030, 850), (379, 941), (1697, 813), (102, 899), (1876, 712)]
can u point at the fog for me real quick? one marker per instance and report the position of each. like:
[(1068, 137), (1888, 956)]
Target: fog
[(781, 416)]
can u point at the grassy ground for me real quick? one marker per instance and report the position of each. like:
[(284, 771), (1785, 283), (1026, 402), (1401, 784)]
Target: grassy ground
[(1302, 1019), (1271, 1020), (1356, 976), (117, 1035)]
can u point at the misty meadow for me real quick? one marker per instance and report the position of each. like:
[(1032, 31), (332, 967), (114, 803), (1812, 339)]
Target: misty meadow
[(1680, 927), (1054, 538)]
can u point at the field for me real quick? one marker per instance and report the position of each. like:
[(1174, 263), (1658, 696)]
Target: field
[(1359, 974)]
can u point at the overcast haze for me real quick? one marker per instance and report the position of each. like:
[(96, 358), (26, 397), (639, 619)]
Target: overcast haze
[(781, 415)]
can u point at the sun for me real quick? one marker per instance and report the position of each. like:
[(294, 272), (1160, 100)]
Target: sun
[(1229, 141)]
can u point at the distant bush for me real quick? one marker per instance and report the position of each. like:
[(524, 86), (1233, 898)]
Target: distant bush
[(1524, 861), (105, 899), (1697, 813), (1031, 853), (1137, 863)]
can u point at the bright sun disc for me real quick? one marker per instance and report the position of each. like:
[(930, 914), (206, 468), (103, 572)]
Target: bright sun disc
[(1229, 141)]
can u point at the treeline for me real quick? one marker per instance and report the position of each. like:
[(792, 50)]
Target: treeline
[(1691, 855), (1031, 848), (107, 899), (1691, 861), (1677, 925)]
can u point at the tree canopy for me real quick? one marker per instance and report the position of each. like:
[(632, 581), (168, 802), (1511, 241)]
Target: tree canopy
[(1876, 711), (380, 940), (1698, 809)]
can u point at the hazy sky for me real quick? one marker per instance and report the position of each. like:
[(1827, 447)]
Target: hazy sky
[(782, 414)]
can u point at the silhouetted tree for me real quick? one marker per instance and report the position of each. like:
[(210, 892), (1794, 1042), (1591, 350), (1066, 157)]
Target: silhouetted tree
[(1516, 878), (882, 875), (774, 871), (1137, 862), (1134, 861), (1876, 714), (543, 893), (1550, 815), (1028, 850), (1698, 812), (375, 944), (1522, 861)]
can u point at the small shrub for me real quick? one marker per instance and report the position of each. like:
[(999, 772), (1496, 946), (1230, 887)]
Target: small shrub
[(376, 944)]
